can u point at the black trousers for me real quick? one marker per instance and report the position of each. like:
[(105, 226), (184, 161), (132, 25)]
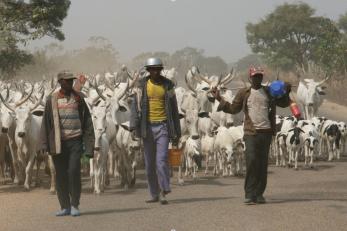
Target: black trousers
[(68, 173), (257, 152)]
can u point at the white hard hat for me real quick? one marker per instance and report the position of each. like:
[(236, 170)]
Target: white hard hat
[(154, 62)]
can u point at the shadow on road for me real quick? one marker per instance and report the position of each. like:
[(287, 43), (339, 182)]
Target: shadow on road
[(205, 180), (291, 200), (107, 211), (201, 199)]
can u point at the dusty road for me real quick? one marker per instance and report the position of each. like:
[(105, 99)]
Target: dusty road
[(308, 199)]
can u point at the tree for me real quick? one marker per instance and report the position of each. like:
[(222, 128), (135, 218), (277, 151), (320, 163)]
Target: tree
[(21, 22), (292, 36)]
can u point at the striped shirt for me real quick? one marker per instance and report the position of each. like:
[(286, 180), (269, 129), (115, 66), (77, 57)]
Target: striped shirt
[(70, 123)]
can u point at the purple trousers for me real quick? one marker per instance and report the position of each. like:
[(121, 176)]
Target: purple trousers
[(156, 146)]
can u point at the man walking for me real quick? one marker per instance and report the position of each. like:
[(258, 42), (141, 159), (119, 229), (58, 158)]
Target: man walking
[(66, 132), (259, 126), (154, 117)]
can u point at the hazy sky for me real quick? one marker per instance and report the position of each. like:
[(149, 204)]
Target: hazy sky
[(135, 26)]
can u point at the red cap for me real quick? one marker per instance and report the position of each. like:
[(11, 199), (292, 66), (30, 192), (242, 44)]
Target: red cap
[(254, 71)]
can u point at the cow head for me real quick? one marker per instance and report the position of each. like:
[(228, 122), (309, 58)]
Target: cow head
[(311, 142), (295, 138)]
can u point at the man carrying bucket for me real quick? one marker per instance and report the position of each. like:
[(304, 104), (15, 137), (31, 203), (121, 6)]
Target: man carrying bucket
[(258, 103), (154, 118)]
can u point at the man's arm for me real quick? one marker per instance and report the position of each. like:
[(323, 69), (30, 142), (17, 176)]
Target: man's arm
[(43, 131), (234, 107), (88, 132), (134, 114), (175, 114)]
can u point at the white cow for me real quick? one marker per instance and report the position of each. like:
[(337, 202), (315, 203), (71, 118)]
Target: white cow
[(129, 147), (343, 130), (309, 95), (225, 148)]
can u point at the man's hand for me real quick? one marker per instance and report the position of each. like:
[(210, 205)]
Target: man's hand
[(216, 94), (82, 79), (288, 87), (174, 143)]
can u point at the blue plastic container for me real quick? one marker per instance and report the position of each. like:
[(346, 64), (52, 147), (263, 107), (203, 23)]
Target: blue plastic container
[(277, 89)]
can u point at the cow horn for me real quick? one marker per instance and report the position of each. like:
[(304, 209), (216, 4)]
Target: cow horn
[(129, 75), (6, 104), (209, 82), (125, 90), (134, 79), (7, 94), (27, 97), (229, 77), (37, 103), (324, 80), (98, 90), (188, 84)]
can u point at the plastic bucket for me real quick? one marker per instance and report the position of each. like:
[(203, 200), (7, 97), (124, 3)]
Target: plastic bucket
[(175, 157)]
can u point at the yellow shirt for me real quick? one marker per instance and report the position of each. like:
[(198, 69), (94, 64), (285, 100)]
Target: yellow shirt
[(156, 98)]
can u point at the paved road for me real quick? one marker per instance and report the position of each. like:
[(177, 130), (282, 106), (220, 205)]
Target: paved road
[(307, 199)]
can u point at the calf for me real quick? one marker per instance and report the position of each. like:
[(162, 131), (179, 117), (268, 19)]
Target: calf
[(330, 141), (311, 137), (343, 130), (294, 143)]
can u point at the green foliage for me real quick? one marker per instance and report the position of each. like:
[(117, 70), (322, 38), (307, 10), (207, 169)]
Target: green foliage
[(21, 22), (33, 20), (292, 36)]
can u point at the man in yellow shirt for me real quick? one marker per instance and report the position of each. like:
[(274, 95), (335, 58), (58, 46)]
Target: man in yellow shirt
[(154, 118)]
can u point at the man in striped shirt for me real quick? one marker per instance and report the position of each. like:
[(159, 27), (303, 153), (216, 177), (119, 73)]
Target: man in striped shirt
[(67, 131)]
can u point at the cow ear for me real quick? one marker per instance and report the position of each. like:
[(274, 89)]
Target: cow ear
[(122, 108), (211, 99), (38, 113), (181, 116), (321, 93), (290, 130), (97, 103), (301, 130), (126, 127), (204, 115)]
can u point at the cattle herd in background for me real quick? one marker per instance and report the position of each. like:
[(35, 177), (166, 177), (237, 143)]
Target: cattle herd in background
[(211, 140)]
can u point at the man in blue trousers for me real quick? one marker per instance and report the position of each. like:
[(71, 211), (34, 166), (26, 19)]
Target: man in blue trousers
[(154, 118)]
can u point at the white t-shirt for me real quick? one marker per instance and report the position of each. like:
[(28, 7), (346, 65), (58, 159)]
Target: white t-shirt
[(258, 109)]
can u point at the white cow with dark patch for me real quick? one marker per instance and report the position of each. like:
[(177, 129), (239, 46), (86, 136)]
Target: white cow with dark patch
[(330, 139), (311, 141), (294, 143)]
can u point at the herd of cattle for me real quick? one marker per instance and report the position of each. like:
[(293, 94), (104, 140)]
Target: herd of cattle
[(206, 134)]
